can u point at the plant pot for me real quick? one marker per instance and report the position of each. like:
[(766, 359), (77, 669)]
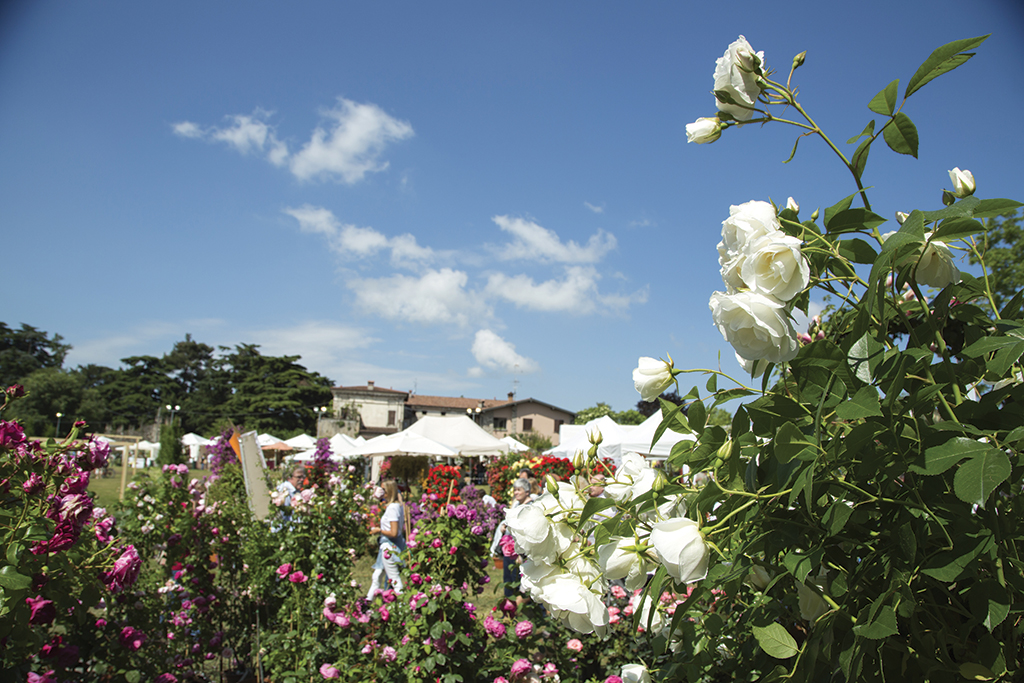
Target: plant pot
[(499, 563)]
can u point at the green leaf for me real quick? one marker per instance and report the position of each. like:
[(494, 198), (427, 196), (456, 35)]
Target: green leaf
[(957, 229), (14, 551), (790, 443), (857, 250), (12, 580), (801, 564), (990, 603), (979, 476), (864, 357), (988, 208), (863, 404), (884, 102), (901, 135), (133, 676), (883, 626), (869, 130), (938, 459), (942, 60), (976, 672), (860, 157), (593, 506), (841, 205), (837, 516), (793, 153), (853, 219), (775, 640)]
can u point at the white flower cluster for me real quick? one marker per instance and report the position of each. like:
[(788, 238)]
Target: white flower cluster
[(738, 79), (566, 570), (763, 268)]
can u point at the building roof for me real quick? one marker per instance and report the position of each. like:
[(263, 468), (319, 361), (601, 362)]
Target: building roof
[(503, 404), (453, 402), (369, 388)]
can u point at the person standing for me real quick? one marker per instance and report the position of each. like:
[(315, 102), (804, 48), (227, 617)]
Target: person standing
[(391, 543), (290, 486)]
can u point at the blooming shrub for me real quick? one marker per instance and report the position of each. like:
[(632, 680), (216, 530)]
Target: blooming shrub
[(502, 471), (62, 557), (442, 484), (852, 522)]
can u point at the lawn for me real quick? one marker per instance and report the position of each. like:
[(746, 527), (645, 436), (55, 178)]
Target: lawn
[(107, 489)]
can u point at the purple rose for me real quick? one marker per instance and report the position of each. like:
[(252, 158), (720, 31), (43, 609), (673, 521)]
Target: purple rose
[(124, 572), (33, 484), (132, 638), (48, 677), (42, 610), (524, 629), (297, 577)]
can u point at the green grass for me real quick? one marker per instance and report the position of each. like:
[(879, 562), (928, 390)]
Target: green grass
[(107, 489)]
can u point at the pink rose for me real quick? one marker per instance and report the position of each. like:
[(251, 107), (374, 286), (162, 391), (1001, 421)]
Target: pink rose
[(297, 577), (436, 543), (575, 645), (284, 570), (550, 670), (524, 629), (619, 592), (520, 667), (328, 671)]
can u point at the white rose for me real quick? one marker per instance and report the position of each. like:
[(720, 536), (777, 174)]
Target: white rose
[(754, 368), (963, 182), (635, 673), (746, 225), (793, 205), (634, 478), (619, 559), (756, 325), (703, 130), (651, 377), (936, 267), (736, 72), (575, 604), (680, 548), (644, 607), (775, 266)]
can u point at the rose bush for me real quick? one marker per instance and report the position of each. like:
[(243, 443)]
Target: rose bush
[(855, 519)]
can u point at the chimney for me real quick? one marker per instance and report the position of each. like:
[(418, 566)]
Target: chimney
[(511, 396), (369, 385)]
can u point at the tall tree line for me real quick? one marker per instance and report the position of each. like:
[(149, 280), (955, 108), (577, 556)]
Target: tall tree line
[(209, 389)]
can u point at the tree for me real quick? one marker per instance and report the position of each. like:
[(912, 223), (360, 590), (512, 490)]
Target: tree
[(625, 417), (535, 440), (24, 351), (271, 393), (1002, 248), (171, 450), (48, 391)]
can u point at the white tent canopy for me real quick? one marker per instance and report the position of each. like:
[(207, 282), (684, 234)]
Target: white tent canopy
[(402, 443), (265, 440), (515, 446), (341, 445), (301, 441), (192, 439), (459, 433), (639, 439), (574, 438)]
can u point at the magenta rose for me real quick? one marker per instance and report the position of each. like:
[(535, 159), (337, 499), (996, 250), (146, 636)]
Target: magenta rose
[(124, 571), (520, 667), (42, 610), (524, 629), (328, 671)]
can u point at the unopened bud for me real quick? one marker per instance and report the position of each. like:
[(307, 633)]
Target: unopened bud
[(793, 205), (963, 182), (814, 216), (798, 61), (900, 217), (659, 481), (725, 450), (578, 460), (596, 438), (552, 484)]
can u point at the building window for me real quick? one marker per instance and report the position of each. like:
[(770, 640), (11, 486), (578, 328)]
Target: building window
[(558, 424), (391, 418), (500, 423), (527, 424)]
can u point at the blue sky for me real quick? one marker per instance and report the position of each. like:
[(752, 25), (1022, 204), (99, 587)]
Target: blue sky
[(456, 198)]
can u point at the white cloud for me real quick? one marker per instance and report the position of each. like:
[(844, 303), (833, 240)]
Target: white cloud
[(575, 293), (494, 353), (325, 346), (436, 297), (533, 242), (594, 208), (246, 134), (346, 149), (351, 145), (351, 240)]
